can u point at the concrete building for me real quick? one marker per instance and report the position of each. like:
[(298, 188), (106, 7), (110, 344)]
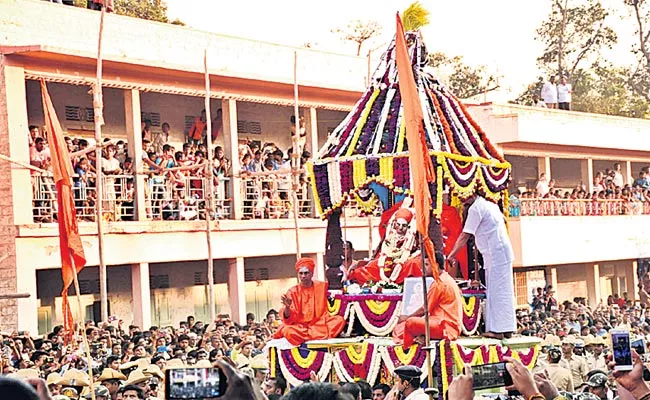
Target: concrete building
[(157, 268)]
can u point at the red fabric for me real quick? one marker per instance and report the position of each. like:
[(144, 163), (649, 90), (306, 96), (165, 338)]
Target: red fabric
[(404, 213), (305, 262), (197, 128), (421, 166), (370, 272), (72, 252), (451, 227), (308, 316), (445, 314)]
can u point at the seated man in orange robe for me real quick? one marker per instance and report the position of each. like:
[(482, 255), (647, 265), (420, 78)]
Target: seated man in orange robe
[(398, 258), (304, 309), (445, 312)]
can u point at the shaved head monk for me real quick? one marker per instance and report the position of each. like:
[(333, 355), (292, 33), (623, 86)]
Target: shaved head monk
[(304, 309)]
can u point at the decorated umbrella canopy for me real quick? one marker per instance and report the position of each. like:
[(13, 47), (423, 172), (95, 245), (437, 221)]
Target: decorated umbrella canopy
[(368, 150)]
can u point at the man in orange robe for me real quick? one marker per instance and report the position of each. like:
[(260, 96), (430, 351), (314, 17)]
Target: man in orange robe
[(304, 309), (451, 227), (445, 312), (398, 258)]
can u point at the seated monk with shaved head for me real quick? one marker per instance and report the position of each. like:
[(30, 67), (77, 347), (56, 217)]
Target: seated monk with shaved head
[(304, 309)]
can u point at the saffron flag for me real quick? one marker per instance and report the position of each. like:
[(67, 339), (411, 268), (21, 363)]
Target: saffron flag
[(421, 166), (72, 252)]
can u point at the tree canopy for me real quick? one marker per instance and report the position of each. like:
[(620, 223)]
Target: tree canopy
[(463, 80)]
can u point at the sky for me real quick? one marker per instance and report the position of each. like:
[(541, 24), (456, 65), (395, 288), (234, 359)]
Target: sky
[(498, 34)]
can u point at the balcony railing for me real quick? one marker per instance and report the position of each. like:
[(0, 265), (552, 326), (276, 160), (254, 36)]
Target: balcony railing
[(177, 197), (569, 207)]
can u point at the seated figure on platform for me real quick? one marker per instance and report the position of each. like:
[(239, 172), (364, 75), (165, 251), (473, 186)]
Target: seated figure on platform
[(445, 311), (399, 255), (304, 309)]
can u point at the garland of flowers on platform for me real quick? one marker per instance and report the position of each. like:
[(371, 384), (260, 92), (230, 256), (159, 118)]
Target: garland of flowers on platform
[(379, 318), (336, 181), (360, 361), (296, 368), (338, 305), (472, 313), (395, 356)]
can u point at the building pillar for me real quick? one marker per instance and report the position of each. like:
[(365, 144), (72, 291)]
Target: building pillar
[(632, 280), (593, 284), (626, 170), (311, 124), (319, 271), (237, 290), (141, 295), (231, 149), (544, 167), (551, 277), (134, 139), (27, 309)]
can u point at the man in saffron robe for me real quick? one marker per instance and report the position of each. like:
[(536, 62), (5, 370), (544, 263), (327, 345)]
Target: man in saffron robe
[(398, 258), (445, 312), (304, 309)]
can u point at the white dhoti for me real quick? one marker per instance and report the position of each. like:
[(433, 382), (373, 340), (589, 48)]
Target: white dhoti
[(500, 305), (486, 222)]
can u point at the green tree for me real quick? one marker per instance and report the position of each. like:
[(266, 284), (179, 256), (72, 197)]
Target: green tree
[(359, 32), (574, 34), (639, 78), (463, 80), (153, 10)]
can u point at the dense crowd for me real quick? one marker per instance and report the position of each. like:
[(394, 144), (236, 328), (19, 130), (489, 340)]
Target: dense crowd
[(609, 196), (176, 177)]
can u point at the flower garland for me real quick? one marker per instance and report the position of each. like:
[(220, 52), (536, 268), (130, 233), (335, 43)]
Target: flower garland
[(334, 173), (463, 355), (378, 318), (296, 368), (396, 356), (358, 362), (472, 313), (362, 121), (369, 129), (351, 123), (446, 366), (338, 305), (359, 172), (383, 119), (481, 133)]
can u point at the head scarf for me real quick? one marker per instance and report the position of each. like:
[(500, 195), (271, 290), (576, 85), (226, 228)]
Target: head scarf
[(405, 214), (305, 262)]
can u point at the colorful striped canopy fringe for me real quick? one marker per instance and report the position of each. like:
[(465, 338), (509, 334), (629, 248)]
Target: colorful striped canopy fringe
[(370, 147)]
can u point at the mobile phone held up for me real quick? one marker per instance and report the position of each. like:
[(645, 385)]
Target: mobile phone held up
[(489, 376), (194, 383), (622, 349)]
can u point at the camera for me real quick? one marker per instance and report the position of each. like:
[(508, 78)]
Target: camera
[(491, 376), (194, 383)]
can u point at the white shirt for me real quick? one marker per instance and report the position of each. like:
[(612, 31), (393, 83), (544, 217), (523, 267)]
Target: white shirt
[(618, 179), (417, 395), (564, 93), (542, 188), (486, 222), (549, 92)]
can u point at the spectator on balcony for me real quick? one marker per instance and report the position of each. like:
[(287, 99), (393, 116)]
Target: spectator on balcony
[(198, 128), (542, 186), (188, 154), (127, 166), (564, 91), (257, 163), (33, 134), (217, 125), (161, 139), (247, 164), (147, 159), (146, 130), (110, 168), (301, 138), (221, 163), (549, 93), (39, 155), (618, 175), (642, 180)]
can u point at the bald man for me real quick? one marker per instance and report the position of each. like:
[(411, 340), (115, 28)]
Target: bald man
[(304, 309)]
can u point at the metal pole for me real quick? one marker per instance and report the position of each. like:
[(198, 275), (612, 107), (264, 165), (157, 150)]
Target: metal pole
[(80, 319), (99, 180), (427, 333), (295, 159), (209, 198)]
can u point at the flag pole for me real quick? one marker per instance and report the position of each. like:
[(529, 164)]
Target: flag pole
[(98, 107), (209, 203), (295, 157), (81, 320), (427, 332)]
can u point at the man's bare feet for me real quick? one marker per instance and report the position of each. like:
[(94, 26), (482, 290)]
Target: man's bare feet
[(493, 335)]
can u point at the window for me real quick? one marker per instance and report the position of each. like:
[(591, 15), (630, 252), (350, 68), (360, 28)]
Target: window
[(250, 127), (521, 288), (198, 278), (72, 113), (159, 281), (189, 120), (154, 117)]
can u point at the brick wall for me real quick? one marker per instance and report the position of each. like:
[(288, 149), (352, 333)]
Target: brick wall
[(8, 308)]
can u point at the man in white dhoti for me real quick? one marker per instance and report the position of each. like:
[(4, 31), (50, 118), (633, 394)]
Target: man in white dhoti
[(486, 222)]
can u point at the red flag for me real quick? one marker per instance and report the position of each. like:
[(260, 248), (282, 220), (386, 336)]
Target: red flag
[(72, 252), (421, 166)]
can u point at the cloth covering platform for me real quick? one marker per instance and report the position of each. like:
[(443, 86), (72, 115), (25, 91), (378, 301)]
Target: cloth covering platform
[(374, 358), (378, 313)]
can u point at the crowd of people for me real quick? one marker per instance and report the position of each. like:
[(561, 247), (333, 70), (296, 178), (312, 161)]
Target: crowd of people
[(176, 177), (610, 195)]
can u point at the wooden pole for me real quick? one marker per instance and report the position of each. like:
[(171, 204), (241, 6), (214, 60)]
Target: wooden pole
[(370, 249), (209, 203), (427, 333), (295, 157), (80, 319), (99, 181), (15, 296)]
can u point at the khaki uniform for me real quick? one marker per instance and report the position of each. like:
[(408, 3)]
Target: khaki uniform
[(561, 377), (596, 363), (578, 367)]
